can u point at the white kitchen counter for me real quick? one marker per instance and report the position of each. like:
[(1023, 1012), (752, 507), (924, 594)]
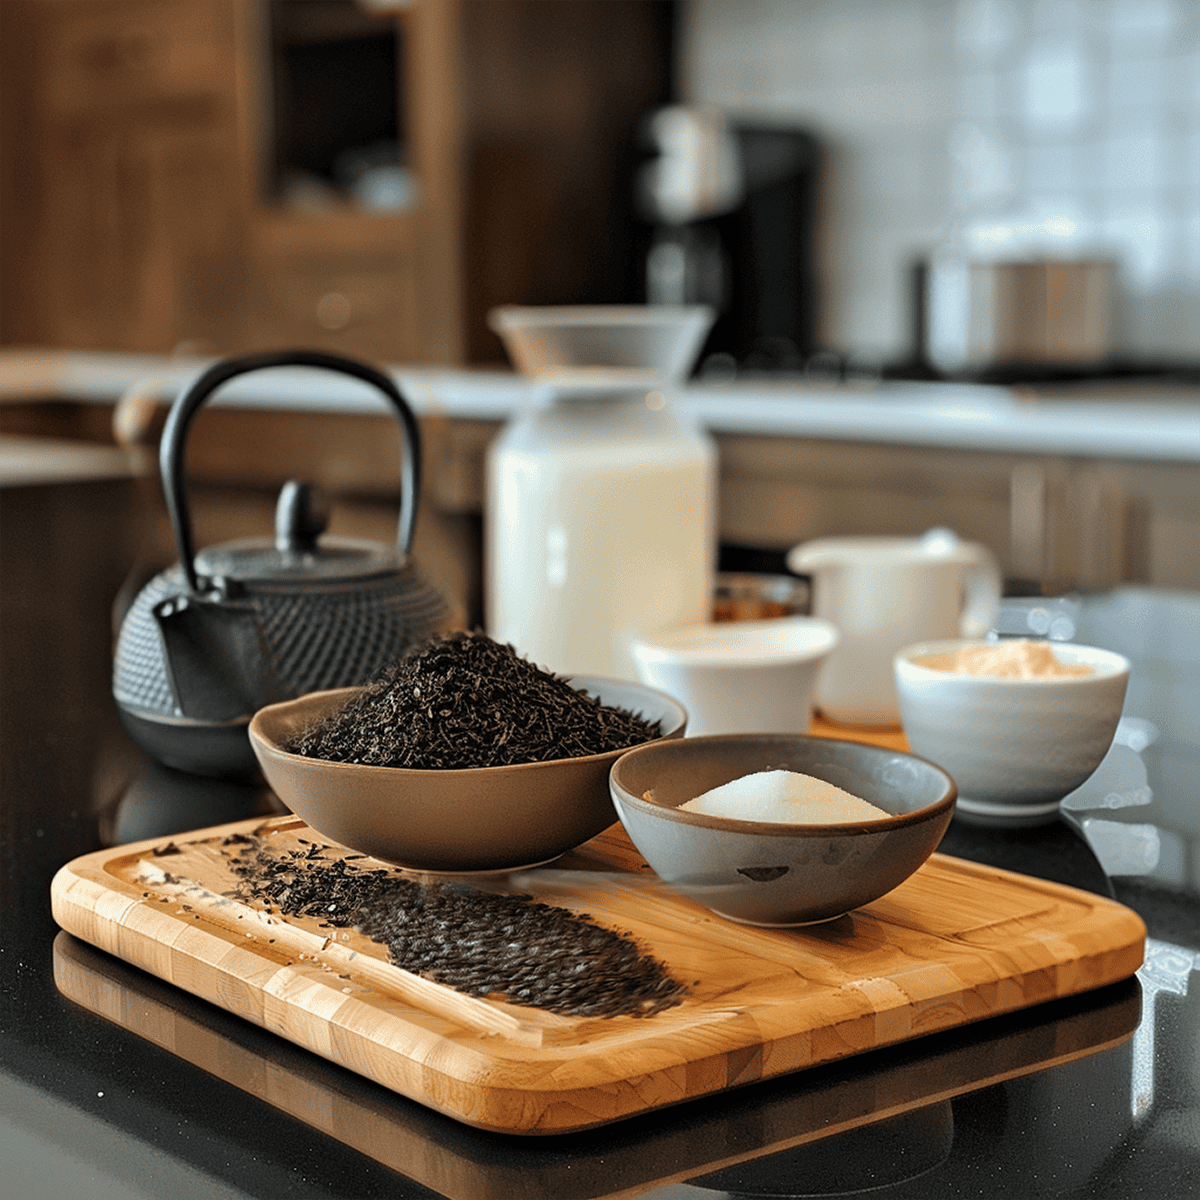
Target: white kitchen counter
[(29, 461), (1159, 425)]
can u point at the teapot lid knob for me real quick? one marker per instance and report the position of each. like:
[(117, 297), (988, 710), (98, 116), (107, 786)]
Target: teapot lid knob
[(301, 515)]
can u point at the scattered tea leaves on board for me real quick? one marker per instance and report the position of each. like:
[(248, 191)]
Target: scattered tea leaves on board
[(482, 943)]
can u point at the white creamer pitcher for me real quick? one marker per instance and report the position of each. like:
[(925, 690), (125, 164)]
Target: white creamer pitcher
[(883, 593)]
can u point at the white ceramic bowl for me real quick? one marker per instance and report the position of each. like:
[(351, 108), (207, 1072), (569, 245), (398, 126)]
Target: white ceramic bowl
[(756, 676), (769, 873), (654, 342), (1015, 747)]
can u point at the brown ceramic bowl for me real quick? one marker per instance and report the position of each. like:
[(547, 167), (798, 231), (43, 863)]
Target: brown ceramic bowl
[(478, 819), (764, 873)]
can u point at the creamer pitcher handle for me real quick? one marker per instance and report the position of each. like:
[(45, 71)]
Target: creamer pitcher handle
[(981, 586)]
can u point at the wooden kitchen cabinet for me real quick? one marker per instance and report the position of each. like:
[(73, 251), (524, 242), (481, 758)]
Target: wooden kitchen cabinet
[(1056, 523), (357, 295), (150, 159), (128, 208), (155, 223)]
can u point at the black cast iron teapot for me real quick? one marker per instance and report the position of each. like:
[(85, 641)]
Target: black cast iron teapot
[(227, 630)]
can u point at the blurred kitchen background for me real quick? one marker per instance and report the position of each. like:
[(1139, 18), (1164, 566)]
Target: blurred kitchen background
[(1012, 129), (954, 246)]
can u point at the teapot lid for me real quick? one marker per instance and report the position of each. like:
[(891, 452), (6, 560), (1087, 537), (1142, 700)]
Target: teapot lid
[(298, 552)]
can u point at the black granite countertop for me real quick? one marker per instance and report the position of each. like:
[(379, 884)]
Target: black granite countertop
[(114, 1083)]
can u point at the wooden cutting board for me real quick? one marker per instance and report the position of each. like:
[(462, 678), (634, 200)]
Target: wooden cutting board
[(955, 943)]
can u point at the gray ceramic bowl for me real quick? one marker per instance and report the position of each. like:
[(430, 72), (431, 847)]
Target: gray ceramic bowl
[(763, 873), (480, 819)]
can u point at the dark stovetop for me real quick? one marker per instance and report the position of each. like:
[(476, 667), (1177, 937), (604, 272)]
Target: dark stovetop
[(113, 1083)]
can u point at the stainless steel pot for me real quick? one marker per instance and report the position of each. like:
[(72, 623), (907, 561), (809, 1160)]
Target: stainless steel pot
[(1020, 313)]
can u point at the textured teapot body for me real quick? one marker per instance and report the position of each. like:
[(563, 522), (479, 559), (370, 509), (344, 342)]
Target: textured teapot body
[(337, 637)]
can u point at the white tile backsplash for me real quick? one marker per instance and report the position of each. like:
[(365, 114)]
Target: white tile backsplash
[(1144, 21), (1189, 263), (936, 111), (1053, 168), (1134, 166), (986, 29), (1136, 82), (1060, 16), (1058, 88)]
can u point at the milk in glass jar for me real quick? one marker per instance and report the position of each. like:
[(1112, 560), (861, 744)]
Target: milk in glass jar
[(600, 524)]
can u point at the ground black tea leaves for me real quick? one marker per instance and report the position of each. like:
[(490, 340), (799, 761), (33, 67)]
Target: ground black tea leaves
[(464, 700), (482, 943)]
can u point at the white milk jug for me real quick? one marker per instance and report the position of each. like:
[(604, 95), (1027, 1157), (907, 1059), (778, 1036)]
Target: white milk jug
[(600, 525), (883, 593)]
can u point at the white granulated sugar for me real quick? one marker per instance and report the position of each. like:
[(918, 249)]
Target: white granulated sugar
[(787, 797)]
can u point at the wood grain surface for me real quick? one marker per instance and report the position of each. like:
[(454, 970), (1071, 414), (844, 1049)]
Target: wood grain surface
[(955, 943)]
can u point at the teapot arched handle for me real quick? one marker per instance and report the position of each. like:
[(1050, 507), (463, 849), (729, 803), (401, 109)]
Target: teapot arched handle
[(171, 453)]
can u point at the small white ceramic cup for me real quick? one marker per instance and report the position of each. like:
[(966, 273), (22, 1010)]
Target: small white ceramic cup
[(1015, 747), (739, 676)]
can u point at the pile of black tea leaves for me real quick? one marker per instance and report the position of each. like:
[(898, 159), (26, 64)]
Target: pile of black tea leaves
[(508, 946), (462, 699)]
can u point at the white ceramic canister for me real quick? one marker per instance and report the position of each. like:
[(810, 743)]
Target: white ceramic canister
[(600, 525), (753, 676), (883, 593)]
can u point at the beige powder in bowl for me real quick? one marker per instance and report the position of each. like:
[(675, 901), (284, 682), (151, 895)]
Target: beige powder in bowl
[(1005, 660), (785, 797)]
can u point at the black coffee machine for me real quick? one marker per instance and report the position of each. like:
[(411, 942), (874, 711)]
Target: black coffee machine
[(733, 208)]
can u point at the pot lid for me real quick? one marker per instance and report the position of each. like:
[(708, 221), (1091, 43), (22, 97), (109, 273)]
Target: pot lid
[(935, 545), (299, 554)]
